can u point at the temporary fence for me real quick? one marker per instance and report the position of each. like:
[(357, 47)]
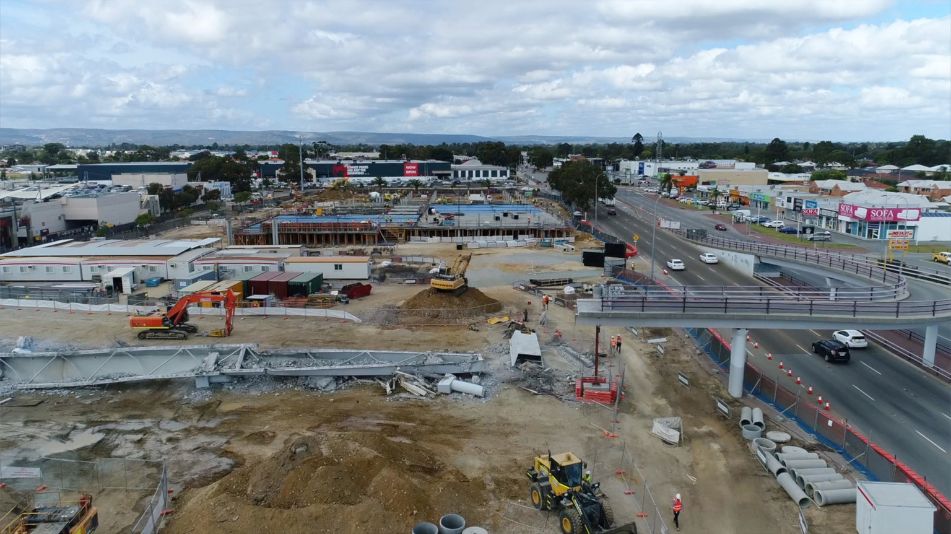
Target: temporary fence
[(49, 481), (798, 405)]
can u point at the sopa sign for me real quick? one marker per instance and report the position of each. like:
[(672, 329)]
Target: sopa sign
[(879, 214)]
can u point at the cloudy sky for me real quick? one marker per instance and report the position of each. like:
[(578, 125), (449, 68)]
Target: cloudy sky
[(797, 69)]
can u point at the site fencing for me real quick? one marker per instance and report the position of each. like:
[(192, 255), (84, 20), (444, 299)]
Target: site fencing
[(843, 437), (52, 481)]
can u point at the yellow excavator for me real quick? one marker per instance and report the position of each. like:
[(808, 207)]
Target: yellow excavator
[(452, 277), (560, 483)]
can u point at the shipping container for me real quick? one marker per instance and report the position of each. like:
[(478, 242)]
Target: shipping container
[(236, 287), (191, 278), (201, 285), (222, 287), (258, 285), (245, 279), (278, 286), (357, 290), (306, 284)]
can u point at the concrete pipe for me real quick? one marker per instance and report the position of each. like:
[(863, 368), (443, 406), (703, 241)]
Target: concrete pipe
[(783, 457), (801, 476), (475, 530), (773, 465), (746, 416), (804, 464), (779, 437), (804, 480), (841, 483), (451, 524), (790, 449), (764, 445), (467, 387), (425, 528), (758, 418), (751, 432), (794, 491), (835, 496)]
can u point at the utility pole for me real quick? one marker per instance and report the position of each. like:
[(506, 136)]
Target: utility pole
[(300, 153)]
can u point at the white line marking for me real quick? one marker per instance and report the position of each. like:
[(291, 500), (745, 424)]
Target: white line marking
[(946, 415), (870, 367), (802, 349), (702, 278), (864, 393), (814, 332), (931, 442)]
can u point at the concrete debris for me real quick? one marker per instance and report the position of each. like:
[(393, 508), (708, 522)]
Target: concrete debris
[(668, 429), (321, 383)]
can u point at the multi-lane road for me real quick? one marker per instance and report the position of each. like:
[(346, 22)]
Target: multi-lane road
[(896, 404)]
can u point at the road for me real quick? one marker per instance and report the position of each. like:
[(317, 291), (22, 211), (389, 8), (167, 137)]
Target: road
[(894, 403)]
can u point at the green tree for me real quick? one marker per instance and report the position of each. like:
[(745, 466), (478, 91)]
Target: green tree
[(577, 181), (486, 183), (144, 219), (638, 141), (441, 153), (666, 182), (290, 153), (776, 150), (211, 195), (541, 157), (715, 195), (415, 184), (242, 196), (828, 174), (379, 183)]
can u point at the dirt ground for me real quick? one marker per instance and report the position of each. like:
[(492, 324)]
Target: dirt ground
[(277, 457)]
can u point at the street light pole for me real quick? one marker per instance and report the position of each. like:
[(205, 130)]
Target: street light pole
[(300, 152), (654, 235), (596, 198)]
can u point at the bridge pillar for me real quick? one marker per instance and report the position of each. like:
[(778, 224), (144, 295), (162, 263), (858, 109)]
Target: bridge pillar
[(931, 342), (737, 362)]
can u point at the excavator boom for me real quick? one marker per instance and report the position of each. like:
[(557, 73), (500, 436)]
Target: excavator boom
[(173, 324), (452, 278)]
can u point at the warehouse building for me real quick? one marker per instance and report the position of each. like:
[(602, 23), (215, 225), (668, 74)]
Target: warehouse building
[(136, 174), (474, 170), (326, 170)]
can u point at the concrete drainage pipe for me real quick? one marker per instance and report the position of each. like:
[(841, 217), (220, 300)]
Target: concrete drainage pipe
[(779, 437), (425, 528), (835, 496), (804, 464), (785, 457), (794, 491), (841, 483), (751, 432), (764, 445), (801, 474), (791, 449), (758, 418), (475, 530), (804, 480), (746, 416), (451, 524), (773, 465)]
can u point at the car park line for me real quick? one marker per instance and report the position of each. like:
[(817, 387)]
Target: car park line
[(802, 349), (864, 393)]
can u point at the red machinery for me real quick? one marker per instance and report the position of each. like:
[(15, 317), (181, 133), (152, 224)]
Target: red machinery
[(173, 324)]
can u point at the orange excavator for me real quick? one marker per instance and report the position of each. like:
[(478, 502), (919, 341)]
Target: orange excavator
[(173, 323)]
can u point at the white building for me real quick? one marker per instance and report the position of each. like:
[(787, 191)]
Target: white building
[(870, 214), (233, 262), (474, 170), (332, 267), (170, 179)]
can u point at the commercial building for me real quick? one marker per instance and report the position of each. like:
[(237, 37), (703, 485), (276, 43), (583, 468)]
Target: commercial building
[(731, 177), (871, 214), (474, 170), (138, 172), (98, 260), (325, 170), (933, 189)]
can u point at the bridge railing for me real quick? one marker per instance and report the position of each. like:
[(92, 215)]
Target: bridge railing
[(770, 306), (887, 293)]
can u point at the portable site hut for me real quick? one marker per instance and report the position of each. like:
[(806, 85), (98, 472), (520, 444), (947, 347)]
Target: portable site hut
[(278, 286), (885, 507), (200, 285), (191, 278), (305, 284), (259, 284)]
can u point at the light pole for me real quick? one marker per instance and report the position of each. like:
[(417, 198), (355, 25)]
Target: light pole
[(596, 198), (300, 153), (653, 236)]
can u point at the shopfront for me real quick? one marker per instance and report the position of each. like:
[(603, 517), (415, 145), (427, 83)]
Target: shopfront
[(875, 222)]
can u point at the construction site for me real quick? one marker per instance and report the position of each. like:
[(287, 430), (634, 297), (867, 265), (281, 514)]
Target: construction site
[(458, 396)]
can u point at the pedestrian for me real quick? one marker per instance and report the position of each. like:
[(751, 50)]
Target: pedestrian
[(525, 316), (678, 506), (618, 345)]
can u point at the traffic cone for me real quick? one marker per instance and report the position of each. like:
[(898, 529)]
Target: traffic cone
[(827, 407), (820, 400), (769, 355), (756, 344), (780, 365), (809, 391), (789, 373), (798, 380), (748, 337)]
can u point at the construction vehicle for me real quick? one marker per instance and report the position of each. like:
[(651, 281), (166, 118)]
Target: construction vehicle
[(452, 277), (559, 484), (63, 518), (173, 323)]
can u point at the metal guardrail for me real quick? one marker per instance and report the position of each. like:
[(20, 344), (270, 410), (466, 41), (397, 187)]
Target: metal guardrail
[(151, 519), (776, 306), (884, 293)]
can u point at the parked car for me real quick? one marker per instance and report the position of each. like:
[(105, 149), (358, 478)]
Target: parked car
[(612, 211), (709, 257), (676, 265), (774, 224), (719, 226), (823, 235), (761, 219), (852, 339), (832, 350), (789, 230)]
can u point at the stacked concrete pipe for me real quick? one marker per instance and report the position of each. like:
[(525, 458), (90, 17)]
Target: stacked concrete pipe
[(794, 491), (751, 432), (808, 472), (804, 464), (773, 465), (758, 418), (746, 416), (425, 528), (451, 524), (806, 479), (841, 483), (835, 496), (787, 456)]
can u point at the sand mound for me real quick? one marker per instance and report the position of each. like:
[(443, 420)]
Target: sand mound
[(355, 481), (472, 299)]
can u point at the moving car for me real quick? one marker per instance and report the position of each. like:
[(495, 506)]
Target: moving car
[(709, 257), (676, 265), (774, 224), (612, 211), (852, 339), (789, 230), (832, 350), (942, 257), (719, 226), (823, 235)]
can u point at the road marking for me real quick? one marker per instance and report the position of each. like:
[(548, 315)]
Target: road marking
[(864, 393), (702, 278), (870, 367), (931, 442), (802, 349), (814, 332), (946, 415)]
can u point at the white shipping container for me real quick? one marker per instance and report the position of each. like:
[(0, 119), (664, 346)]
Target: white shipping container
[(889, 507)]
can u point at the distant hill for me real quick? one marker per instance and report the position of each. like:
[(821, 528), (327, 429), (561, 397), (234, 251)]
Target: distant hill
[(90, 137)]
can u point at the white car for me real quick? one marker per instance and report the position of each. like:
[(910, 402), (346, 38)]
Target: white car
[(709, 257), (852, 339), (676, 265), (774, 224)]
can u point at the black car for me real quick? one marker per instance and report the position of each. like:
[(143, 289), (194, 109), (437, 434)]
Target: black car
[(832, 350)]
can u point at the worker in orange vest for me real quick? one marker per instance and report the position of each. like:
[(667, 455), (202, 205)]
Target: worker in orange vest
[(617, 345), (678, 506)]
